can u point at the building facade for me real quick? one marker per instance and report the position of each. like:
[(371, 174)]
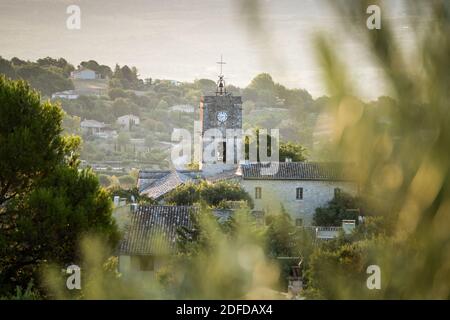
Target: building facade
[(128, 121), (92, 127), (84, 74), (297, 187)]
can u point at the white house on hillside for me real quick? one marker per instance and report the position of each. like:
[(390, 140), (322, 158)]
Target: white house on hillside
[(92, 126), (84, 74), (69, 95), (186, 108), (128, 121)]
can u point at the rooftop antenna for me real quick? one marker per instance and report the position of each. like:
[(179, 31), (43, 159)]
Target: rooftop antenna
[(221, 90)]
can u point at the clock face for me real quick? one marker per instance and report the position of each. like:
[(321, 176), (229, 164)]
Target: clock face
[(222, 116)]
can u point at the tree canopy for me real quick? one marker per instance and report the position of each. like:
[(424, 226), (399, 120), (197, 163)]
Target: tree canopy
[(341, 207), (46, 203), (214, 194), (48, 75)]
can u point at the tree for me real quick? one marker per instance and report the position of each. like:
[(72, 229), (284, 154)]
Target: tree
[(280, 234), (60, 64), (184, 195), (47, 205), (216, 194), (51, 220), (162, 105), (206, 86), (120, 107), (104, 180), (337, 210), (30, 141), (213, 194), (293, 151), (127, 182), (45, 79), (115, 93), (71, 124), (123, 107), (283, 239), (248, 106), (123, 139), (263, 81), (103, 70), (126, 78), (7, 68)]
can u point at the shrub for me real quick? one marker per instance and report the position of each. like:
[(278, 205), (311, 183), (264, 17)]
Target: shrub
[(337, 210)]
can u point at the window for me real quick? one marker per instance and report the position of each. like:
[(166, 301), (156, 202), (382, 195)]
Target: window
[(298, 222), (224, 152), (258, 193), (142, 263), (299, 194), (337, 192)]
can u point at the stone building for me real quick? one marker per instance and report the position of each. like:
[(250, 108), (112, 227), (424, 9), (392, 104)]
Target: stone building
[(298, 187)]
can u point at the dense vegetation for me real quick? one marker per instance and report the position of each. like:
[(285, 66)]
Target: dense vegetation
[(341, 207), (47, 204), (47, 75), (214, 194)]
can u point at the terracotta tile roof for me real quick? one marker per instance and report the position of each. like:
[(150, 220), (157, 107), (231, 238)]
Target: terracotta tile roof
[(332, 171), (153, 229)]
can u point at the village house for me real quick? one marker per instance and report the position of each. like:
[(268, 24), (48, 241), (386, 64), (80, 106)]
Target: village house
[(185, 108), (84, 74), (127, 122), (92, 127), (150, 238), (297, 187), (68, 95)]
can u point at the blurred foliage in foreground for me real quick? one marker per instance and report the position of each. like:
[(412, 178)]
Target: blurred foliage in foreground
[(228, 260), (402, 160)]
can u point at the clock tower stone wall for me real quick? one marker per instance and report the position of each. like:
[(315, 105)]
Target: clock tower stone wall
[(222, 112)]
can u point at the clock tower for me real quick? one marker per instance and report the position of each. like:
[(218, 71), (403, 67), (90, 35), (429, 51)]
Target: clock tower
[(221, 129)]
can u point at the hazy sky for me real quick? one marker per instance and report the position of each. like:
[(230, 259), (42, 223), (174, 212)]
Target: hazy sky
[(183, 39)]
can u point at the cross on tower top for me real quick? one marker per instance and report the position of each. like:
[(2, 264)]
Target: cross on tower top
[(221, 62), (221, 90)]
